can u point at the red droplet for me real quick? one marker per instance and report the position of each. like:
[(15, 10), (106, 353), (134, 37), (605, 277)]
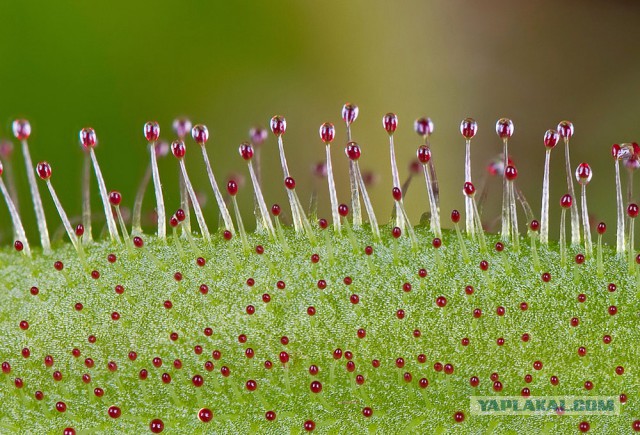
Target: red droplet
[(44, 170), (423, 126), (632, 211), (551, 138), (459, 417), (61, 406), (469, 189), (156, 425), (205, 415), (114, 412), (290, 183), (349, 113), (352, 150), (424, 154), (441, 301), (565, 129), (178, 149), (200, 134), (511, 173), (246, 151), (390, 122), (309, 425), (468, 128), (232, 187), (396, 232), (504, 128), (151, 131), (88, 137), (327, 132), (21, 129), (278, 125), (566, 201)]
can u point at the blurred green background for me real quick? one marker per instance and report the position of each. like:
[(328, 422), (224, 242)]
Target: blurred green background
[(231, 65)]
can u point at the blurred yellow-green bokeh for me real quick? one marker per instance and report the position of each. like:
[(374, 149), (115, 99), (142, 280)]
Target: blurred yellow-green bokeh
[(114, 65)]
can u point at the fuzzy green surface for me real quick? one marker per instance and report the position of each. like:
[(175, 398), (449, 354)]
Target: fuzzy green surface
[(145, 325)]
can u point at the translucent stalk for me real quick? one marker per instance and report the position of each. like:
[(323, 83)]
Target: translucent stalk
[(355, 196), (63, 217), (243, 234), (513, 211), (295, 214), (18, 228), (631, 247), (544, 214), (478, 222), (111, 223), (136, 226), (409, 228), (468, 200), (506, 214), (433, 204), (266, 219), (86, 199), (563, 243), (196, 205), (184, 205), (575, 218), (620, 213), (37, 201), (226, 217), (396, 182), (157, 187), (463, 247), (367, 202), (333, 195), (585, 222)]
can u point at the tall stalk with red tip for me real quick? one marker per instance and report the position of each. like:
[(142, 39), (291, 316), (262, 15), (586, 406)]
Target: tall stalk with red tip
[(468, 129), (565, 129), (349, 115), (22, 130), (390, 124), (504, 130), (88, 140), (583, 176), (327, 134), (551, 138)]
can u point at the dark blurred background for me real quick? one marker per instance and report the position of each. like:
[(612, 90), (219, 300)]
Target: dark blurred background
[(231, 65)]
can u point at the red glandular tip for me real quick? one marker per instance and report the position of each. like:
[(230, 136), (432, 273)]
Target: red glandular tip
[(278, 125), (21, 129), (468, 128), (349, 113), (151, 131), (390, 122), (88, 138), (352, 150), (178, 149), (200, 134), (504, 128), (327, 132), (423, 126)]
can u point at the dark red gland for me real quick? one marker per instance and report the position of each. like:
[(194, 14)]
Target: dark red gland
[(601, 228), (205, 415), (79, 230), (316, 387), (469, 189), (546, 277), (511, 173), (232, 187), (343, 210), (390, 122), (534, 225), (424, 154), (632, 211), (441, 301), (397, 193), (455, 216), (352, 150), (138, 242), (396, 232), (290, 183), (276, 210), (566, 201), (436, 242), (114, 412), (44, 170)]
